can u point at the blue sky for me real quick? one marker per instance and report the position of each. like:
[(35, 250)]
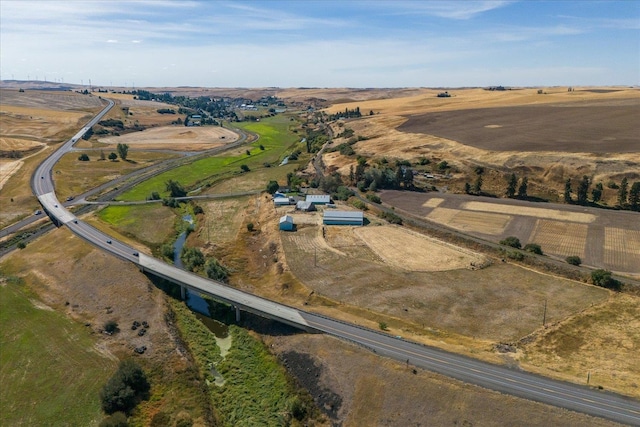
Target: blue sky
[(322, 43)]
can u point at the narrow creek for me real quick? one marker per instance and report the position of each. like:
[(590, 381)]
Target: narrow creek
[(199, 305)]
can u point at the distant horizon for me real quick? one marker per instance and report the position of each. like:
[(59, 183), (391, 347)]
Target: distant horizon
[(95, 86), (323, 44)]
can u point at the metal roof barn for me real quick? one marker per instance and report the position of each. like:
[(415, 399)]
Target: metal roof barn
[(286, 223), (305, 206), (318, 199), (283, 201), (343, 218)]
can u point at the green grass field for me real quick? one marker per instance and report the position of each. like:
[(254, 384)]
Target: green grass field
[(150, 224), (275, 137), (50, 374)]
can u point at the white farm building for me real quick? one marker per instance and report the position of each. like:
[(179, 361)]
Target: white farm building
[(343, 218)]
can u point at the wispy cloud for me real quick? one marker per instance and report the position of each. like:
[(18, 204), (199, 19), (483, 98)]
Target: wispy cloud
[(449, 9)]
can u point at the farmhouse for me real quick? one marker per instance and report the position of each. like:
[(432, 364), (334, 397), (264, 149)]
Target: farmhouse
[(286, 223), (343, 218), (318, 199)]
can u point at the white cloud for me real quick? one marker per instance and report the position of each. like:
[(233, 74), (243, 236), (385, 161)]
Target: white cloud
[(449, 9)]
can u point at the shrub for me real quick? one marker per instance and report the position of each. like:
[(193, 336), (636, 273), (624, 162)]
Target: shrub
[(359, 204), (517, 256), (512, 241), (154, 196), (117, 419), (250, 227), (111, 326), (83, 157), (390, 217), (261, 147), (534, 248), (573, 260), (603, 279), (342, 193), (167, 251), (244, 168), (374, 198), (214, 270), (124, 388), (197, 209), (383, 326), (21, 245), (192, 258)]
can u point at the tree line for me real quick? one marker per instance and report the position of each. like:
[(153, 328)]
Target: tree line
[(628, 197)]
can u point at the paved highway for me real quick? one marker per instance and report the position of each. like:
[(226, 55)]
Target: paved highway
[(571, 396)]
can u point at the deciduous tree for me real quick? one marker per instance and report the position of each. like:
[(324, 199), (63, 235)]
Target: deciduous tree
[(123, 151)]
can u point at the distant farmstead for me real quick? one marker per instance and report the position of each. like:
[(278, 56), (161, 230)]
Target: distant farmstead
[(343, 218), (286, 223), (194, 120)]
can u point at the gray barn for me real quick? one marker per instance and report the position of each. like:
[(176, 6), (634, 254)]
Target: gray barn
[(343, 218)]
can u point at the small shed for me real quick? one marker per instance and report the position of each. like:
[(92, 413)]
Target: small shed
[(318, 199), (343, 218), (305, 206), (286, 223), (278, 194)]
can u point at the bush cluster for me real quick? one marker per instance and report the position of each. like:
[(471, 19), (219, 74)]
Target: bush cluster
[(125, 388)]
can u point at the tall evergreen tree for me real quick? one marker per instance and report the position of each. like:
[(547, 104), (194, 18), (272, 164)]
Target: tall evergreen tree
[(567, 190), (583, 190), (596, 193), (623, 191), (634, 195), (477, 185), (524, 184), (512, 183)]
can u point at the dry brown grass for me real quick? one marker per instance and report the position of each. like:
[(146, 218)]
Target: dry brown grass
[(382, 392), (179, 138), (411, 251), (602, 340), (73, 177)]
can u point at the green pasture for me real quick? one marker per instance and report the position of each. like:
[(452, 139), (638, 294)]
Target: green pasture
[(50, 372), (274, 135)]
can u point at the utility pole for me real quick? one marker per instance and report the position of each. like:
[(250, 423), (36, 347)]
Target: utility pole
[(544, 315), (315, 257)]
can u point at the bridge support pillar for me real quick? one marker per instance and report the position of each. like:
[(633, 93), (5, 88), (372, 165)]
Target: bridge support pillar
[(237, 313), (183, 293)]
